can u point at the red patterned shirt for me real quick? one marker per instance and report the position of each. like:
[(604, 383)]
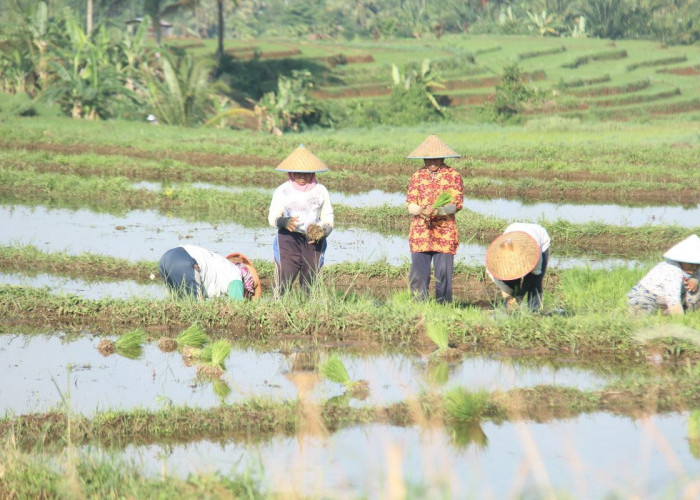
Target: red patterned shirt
[(440, 233)]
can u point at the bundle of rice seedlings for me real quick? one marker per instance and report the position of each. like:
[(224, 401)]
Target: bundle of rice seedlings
[(314, 232), (128, 345), (334, 370), (213, 357), (438, 333), (462, 406), (445, 198), (194, 336)]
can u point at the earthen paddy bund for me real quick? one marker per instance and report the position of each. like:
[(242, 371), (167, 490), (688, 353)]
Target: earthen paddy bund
[(579, 402)]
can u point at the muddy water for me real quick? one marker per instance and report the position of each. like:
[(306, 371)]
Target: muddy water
[(146, 235), (616, 215), (592, 456), (38, 368)]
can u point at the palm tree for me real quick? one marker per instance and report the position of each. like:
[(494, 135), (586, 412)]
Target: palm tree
[(158, 9)]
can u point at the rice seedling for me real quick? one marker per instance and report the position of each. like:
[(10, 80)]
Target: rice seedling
[(463, 406), (212, 358), (194, 336), (128, 345), (221, 388), (445, 198), (438, 333), (334, 370)]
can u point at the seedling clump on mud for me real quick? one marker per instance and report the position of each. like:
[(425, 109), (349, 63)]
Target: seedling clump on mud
[(334, 370), (128, 345)]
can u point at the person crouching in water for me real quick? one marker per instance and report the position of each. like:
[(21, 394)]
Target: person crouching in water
[(670, 286), (194, 271), (432, 237), (301, 211), (516, 261)]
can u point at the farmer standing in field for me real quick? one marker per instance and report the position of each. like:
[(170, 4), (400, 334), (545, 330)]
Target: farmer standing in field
[(434, 197), (516, 261), (670, 286), (194, 271), (301, 211)]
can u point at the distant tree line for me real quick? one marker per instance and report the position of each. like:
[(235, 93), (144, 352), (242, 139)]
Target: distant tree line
[(94, 58), (670, 21)]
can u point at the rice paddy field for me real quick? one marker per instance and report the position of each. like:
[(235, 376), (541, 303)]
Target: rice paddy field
[(111, 388)]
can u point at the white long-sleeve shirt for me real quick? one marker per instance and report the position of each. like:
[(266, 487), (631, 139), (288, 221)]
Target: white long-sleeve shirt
[(215, 270), (540, 235), (665, 283), (310, 207)]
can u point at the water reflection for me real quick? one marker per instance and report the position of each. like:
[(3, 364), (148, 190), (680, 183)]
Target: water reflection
[(32, 366), (146, 235), (592, 456)]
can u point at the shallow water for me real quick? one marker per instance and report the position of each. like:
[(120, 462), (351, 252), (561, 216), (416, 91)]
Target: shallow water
[(146, 235), (38, 368), (592, 456), (92, 290), (617, 215)]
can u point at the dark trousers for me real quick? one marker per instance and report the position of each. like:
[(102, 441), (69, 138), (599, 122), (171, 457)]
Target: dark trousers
[(419, 277), (176, 268), (530, 284), (297, 258)]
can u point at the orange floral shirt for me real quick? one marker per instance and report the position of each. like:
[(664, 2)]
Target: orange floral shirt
[(440, 233)]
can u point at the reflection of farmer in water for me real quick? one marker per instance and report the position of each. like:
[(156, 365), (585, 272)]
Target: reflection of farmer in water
[(432, 237), (671, 286), (193, 271), (516, 261), (301, 211)]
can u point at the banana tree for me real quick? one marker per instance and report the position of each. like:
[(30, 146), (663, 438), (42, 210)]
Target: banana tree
[(85, 82), (181, 92), (424, 77)]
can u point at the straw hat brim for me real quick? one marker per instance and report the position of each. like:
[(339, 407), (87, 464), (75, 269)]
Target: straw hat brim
[(302, 160), (512, 255), (239, 257), (687, 250), (432, 147)]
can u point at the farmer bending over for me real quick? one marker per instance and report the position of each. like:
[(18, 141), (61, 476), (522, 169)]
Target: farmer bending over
[(516, 261), (670, 286), (193, 271)]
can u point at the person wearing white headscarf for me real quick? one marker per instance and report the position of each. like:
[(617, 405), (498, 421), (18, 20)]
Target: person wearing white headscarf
[(670, 286)]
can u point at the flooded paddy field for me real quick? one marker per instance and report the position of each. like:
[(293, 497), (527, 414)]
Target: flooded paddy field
[(42, 370), (581, 401), (591, 456), (145, 234)]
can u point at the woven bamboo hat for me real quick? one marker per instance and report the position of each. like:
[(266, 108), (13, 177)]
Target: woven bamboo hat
[(687, 250), (433, 147), (242, 259), (512, 255), (302, 160)]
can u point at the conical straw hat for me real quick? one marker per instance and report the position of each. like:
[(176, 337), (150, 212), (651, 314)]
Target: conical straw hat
[(302, 160), (433, 147), (687, 250), (512, 255)]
